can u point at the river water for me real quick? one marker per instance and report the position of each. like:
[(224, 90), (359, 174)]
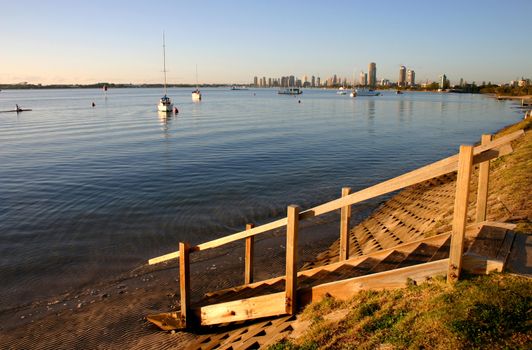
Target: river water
[(89, 192)]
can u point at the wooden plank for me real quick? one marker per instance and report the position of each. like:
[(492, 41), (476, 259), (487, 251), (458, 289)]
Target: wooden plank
[(506, 247), (167, 321), (345, 219), (483, 183), (184, 281), (292, 229), (427, 172), (480, 265), (223, 240), (248, 263), (246, 309), (345, 289), (465, 165)]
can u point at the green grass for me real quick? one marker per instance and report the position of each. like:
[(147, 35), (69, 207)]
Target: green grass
[(482, 312)]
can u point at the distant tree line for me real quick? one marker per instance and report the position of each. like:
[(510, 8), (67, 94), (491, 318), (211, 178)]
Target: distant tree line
[(506, 90), (96, 86)]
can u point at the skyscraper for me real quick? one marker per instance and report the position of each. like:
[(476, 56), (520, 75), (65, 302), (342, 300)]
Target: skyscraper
[(313, 81), (411, 77), (372, 74), (256, 81), (318, 82), (292, 81), (363, 80), (443, 81), (402, 76)]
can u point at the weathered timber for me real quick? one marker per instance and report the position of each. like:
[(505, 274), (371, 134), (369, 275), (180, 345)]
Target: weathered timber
[(345, 218), (345, 289), (248, 263), (244, 309), (292, 229), (184, 281), (483, 184), (465, 165)]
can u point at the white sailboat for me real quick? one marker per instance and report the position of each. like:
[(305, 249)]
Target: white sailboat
[(196, 94), (165, 103)]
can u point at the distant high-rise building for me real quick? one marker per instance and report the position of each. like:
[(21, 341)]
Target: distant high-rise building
[(313, 81), (461, 82), (270, 82), (402, 76), (363, 80), (291, 81), (318, 82), (372, 74), (334, 80), (443, 82), (256, 81), (411, 77)]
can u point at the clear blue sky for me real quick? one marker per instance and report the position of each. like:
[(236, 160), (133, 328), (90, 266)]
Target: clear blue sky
[(231, 41)]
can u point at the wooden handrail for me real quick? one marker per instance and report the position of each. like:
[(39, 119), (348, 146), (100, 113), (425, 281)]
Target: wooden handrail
[(481, 154)]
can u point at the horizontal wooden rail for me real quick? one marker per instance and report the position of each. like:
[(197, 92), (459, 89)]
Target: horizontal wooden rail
[(482, 153)]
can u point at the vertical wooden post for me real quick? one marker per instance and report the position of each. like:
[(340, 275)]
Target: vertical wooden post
[(465, 165), (292, 227), (184, 281), (248, 263), (345, 217), (483, 183)]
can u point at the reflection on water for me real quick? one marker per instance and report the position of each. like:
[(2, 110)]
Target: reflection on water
[(90, 192)]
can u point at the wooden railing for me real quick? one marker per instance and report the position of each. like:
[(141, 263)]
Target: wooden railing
[(462, 163)]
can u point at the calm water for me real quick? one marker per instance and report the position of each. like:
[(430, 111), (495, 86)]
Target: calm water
[(87, 192)]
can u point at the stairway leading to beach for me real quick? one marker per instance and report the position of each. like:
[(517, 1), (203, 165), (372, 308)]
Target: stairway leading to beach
[(435, 226)]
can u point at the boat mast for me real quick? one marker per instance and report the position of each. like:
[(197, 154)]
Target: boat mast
[(164, 65), (197, 87)]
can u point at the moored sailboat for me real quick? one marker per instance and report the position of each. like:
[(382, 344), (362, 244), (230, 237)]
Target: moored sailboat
[(165, 103), (196, 94)]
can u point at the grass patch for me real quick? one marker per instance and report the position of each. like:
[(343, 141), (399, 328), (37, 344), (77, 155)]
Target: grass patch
[(481, 312)]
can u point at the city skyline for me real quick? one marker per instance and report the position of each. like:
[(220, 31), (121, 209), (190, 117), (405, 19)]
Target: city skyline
[(121, 41)]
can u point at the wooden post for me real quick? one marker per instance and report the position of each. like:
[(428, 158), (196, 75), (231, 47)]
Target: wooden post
[(465, 165), (184, 282), (250, 247), (345, 218), (292, 227), (483, 183)]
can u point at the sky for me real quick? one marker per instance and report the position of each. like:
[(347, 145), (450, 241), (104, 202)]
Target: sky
[(231, 41)]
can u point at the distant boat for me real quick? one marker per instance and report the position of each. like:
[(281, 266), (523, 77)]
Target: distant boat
[(234, 87), (341, 91), (290, 91), (165, 103), (364, 92), (399, 92), (196, 94)]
